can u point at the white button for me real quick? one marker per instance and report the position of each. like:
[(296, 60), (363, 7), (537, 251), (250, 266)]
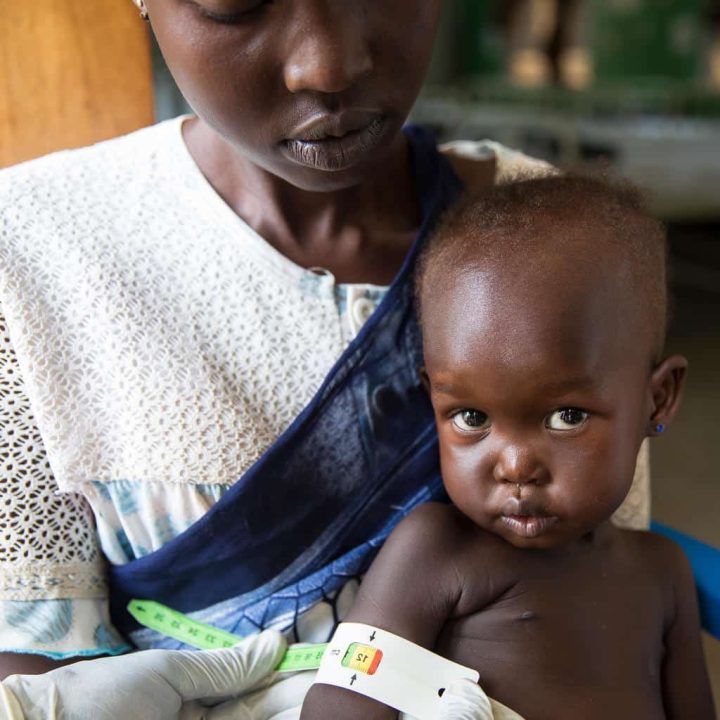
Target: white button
[(321, 271), (362, 309)]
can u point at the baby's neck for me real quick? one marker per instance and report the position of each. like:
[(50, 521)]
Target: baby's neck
[(595, 539)]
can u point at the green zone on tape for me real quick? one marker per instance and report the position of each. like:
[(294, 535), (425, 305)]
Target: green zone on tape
[(174, 624)]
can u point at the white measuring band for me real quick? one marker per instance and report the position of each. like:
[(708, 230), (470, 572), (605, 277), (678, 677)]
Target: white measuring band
[(390, 669)]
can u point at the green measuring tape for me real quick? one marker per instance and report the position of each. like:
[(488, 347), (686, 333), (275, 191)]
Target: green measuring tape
[(180, 627)]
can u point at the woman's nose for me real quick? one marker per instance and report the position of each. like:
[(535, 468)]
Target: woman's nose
[(519, 465), (329, 52)]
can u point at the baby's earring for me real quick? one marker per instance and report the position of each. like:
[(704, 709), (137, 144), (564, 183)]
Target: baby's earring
[(140, 4)]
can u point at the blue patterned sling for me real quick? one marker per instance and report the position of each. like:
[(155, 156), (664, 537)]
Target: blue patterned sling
[(312, 512)]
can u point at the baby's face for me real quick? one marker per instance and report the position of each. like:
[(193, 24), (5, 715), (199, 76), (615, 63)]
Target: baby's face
[(541, 401)]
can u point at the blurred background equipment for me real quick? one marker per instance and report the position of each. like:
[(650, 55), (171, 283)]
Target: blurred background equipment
[(620, 39), (632, 83)]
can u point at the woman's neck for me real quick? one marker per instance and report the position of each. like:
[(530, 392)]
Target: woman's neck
[(360, 234)]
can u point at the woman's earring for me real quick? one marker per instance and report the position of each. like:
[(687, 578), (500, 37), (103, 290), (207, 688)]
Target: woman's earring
[(140, 4), (659, 428)]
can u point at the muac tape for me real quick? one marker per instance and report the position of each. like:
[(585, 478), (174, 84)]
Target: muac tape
[(176, 625), (360, 658), (389, 669)]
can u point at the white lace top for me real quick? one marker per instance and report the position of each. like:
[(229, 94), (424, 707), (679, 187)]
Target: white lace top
[(152, 346)]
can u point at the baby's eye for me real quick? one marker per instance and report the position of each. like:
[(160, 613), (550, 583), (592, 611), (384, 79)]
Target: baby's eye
[(470, 420), (566, 419)]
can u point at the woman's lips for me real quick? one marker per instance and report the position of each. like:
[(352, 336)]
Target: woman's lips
[(335, 143)]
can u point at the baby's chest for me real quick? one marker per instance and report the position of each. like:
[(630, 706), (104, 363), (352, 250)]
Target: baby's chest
[(590, 640)]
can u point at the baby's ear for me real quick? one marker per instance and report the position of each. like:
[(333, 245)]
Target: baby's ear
[(666, 384)]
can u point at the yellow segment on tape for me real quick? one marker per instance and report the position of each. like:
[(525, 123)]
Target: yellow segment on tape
[(363, 658)]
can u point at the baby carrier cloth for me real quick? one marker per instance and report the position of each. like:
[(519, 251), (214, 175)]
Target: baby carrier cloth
[(312, 512)]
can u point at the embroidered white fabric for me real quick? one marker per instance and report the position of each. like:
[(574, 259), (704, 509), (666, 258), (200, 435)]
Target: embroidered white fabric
[(48, 546), (159, 338), (157, 341)]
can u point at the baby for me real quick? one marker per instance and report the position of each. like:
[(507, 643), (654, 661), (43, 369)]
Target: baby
[(543, 306)]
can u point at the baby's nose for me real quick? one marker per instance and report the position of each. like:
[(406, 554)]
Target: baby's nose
[(519, 465)]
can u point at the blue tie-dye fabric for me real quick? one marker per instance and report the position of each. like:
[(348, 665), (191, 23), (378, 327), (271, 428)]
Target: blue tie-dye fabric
[(312, 512)]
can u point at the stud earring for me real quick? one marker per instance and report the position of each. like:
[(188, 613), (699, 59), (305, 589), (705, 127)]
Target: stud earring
[(143, 10), (659, 428)]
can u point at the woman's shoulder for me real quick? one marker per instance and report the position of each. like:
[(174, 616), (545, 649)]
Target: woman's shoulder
[(84, 174), (473, 159)]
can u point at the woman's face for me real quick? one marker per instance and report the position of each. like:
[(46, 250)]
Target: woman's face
[(313, 91)]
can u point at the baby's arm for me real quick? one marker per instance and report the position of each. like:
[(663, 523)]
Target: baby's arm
[(686, 687), (410, 590)]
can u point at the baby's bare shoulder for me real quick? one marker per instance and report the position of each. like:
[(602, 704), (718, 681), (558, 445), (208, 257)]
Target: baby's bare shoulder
[(422, 540), (425, 570), (658, 552), (436, 540), (446, 529), (456, 544), (434, 516), (660, 559)]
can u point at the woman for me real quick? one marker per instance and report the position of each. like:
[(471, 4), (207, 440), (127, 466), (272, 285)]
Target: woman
[(196, 303)]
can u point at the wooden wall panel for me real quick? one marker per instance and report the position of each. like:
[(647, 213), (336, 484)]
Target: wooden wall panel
[(72, 72)]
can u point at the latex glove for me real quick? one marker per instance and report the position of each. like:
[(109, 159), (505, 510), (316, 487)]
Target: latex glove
[(280, 701), (159, 685), (465, 700)]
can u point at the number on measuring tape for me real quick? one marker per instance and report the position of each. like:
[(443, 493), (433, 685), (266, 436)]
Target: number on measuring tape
[(180, 627), (363, 658)]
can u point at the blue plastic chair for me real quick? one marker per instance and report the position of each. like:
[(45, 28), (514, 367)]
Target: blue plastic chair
[(705, 561)]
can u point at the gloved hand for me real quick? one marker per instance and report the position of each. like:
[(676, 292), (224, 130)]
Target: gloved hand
[(162, 685), (282, 700), (465, 700)]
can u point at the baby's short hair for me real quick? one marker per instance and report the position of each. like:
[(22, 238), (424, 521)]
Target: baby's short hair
[(519, 223)]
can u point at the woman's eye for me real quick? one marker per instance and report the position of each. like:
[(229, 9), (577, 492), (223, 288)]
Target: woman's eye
[(470, 420), (230, 13), (566, 419)]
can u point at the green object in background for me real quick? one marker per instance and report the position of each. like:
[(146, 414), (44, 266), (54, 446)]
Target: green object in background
[(483, 43), (646, 39), (629, 39)]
